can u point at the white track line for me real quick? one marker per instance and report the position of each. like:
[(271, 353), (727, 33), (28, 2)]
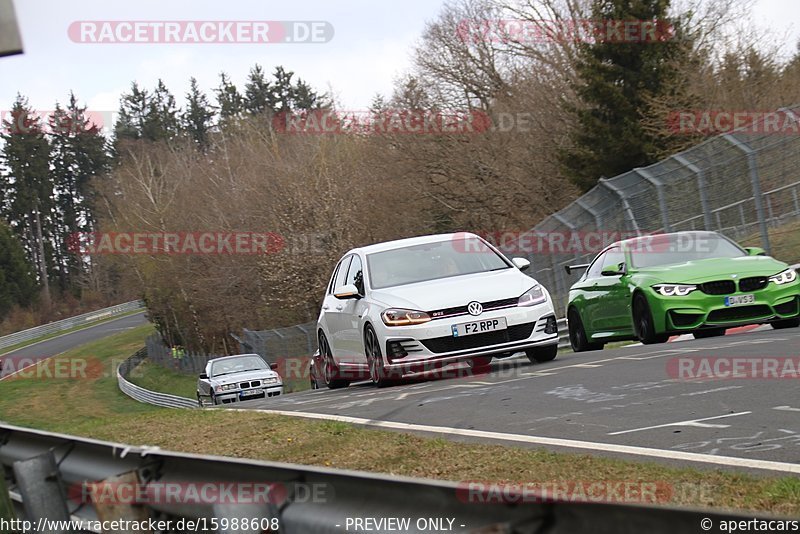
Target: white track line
[(555, 442)]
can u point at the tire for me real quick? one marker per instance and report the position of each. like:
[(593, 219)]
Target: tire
[(213, 400), (377, 371), (330, 372), (481, 364), (786, 323), (542, 354), (577, 334), (709, 332), (200, 401), (643, 322)]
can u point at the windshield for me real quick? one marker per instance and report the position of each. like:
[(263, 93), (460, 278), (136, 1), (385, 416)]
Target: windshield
[(237, 365), (431, 261), (669, 249)]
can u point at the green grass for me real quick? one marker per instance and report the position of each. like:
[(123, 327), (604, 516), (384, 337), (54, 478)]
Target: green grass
[(154, 377), (92, 406), (24, 344)]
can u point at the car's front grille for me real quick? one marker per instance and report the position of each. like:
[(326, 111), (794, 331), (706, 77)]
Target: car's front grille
[(462, 310), (450, 344), (737, 313), (753, 283), (718, 287), (788, 308), (548, 325), (400, 348), (251, 384)]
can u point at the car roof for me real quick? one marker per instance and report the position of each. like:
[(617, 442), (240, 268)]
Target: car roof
[(685, 232), (234, 356), (409, 242)]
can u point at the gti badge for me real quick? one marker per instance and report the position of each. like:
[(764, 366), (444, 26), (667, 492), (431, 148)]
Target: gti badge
[(474, 308)]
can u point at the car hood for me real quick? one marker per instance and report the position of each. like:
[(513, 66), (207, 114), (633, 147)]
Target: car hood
[(714, 268), (244, 377), (456, 291)]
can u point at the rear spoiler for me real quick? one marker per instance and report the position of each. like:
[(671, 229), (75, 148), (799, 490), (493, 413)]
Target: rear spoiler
[(571, 268)]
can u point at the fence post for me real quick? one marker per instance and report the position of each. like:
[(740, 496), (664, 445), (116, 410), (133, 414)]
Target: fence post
[(701, 187), (625, 205), (662, 201), (756, 183)]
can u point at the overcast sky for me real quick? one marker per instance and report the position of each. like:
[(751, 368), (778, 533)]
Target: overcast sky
[(371, 46)]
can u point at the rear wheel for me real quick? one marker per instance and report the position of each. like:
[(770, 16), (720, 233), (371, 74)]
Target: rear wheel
[(577, 335), (709, 332), (542, 354), (643, 322), (377, 371), (786, 323), (330, 371)]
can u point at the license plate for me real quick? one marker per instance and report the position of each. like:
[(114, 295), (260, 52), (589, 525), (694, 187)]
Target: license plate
[(251, 392), (738, 300), (479, 327)]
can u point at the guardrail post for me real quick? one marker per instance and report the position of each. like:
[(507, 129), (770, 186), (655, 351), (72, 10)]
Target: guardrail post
[(625, 204), (39, 482), (756, 183), (701, 188), (662, 201)]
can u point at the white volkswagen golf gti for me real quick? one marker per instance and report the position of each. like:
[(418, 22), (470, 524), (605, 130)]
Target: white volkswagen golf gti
[(418, 304)]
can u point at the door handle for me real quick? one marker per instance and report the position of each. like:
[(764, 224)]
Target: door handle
[(325, 307), (339, 308)]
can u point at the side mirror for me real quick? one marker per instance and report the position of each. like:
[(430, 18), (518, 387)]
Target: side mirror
[(570, 268), (611, 271), (203, 376), (347, 291), (273, 365), (521, 263), (755, 251)]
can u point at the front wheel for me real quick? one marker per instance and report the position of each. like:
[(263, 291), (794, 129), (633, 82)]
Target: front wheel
[(377, 371), (577, 335), (709, 332), (643, 322), (786, 323), (542, 354)]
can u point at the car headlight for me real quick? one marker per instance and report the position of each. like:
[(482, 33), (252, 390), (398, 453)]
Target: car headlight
[(271, 380), (787, 276), (402, 317), (534, 295), (674, 290), (226, 387)]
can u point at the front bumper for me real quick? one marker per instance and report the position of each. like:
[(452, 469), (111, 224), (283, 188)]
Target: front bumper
[(700, 310), (229, 397), (432, 344)]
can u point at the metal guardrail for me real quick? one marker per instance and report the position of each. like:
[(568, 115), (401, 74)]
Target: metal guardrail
[(44, 469), (147, 396), (69, 323)]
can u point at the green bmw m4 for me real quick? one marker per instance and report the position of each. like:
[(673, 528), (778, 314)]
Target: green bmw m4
[(651, 287)]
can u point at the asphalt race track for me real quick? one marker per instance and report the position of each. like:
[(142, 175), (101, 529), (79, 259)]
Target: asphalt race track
[(612, 399), (12, 361)]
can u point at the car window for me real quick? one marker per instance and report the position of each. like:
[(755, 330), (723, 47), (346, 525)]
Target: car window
[(341, 275), (613, 258), (355, 274), (596, 267), (338, 274)]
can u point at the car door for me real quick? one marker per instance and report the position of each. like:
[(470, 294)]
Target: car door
[(590, 292), (331, 306), (352, 340), (612, 296)]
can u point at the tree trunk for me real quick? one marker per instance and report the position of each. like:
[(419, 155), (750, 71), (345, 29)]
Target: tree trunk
[(42, 260)]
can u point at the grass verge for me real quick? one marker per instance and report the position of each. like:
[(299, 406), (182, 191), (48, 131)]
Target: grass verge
[(93, 406)]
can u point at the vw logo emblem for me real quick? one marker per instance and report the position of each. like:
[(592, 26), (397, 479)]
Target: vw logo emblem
[(474, 308)]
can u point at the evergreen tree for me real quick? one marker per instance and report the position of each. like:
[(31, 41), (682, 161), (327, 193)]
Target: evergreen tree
[(198, 117), (617, 79), (27, 189), (229, 99), (161, 120), (258, 94), (283, 90), (17, 284), (133, 109)]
